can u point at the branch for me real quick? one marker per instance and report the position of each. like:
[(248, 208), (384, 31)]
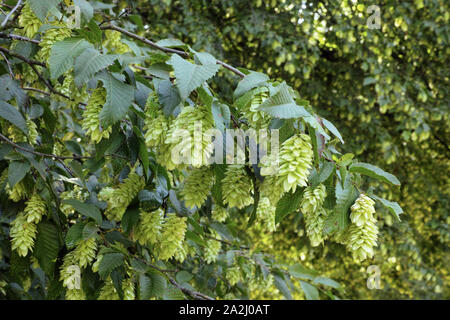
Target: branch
[(11, 74), (16, 55), (17, 37), (168, 50), (189, 292), (11, 12)]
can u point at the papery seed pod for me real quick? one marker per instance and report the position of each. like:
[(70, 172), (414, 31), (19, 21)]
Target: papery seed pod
[(29, 21), (22, 235), (148, 230), (91, 116), (113, 42), (237, 187), (172, 236), (295, 160), (188, 134), (314, 214), (363, 232), (85, 252), (197, 186), (128, 289), (108, 291), (233, 275), (75, 294), (212, 249), (266, 214), (58, 32), (156, 123), (219, 214), (257, 119), (18, 192), (35, 209)]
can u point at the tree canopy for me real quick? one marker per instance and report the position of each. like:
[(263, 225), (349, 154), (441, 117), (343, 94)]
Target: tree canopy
[(95, 95)]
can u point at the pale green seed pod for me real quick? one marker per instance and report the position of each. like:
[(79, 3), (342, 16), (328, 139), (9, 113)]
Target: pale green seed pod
[(197, 186), (233, 275), (22, 235), (219, 214), (237, 187), (113, 42), (58, 32), (266, 214), (212, 249), (148, 230), (29, 21), (35, 209), (172, 236), (85, 252), (257, 119), (91, 116), (108, 291), (314, 214)]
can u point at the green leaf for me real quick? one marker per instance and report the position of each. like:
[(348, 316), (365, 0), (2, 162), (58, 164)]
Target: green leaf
[(10, 88), (327, 282), (12, 115), (325, 171), (190, 76), (89, 63), (221, 114), (299, 271), (345, 197), (374, 172), (130, 219), (86, 209), (17, 171), (145, 287), (109, 262), (281, 285), (171, 43), (85, 8), (173, 293), (250, 81), (47, 246), (183, 276), (89, 231), (311, 292), (41, 8), (74, 235), (168, 96), (289, 203), (118, 99), (158, 284), (281, 105), (394, 207), (332, 129), (63, 54)]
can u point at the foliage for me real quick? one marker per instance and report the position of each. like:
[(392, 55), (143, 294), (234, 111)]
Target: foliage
[(91, 119)]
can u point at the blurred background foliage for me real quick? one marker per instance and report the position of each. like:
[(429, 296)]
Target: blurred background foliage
[(386, 89)]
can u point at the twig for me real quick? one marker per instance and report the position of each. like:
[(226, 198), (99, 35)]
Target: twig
[(11, 74), (16, 55), (36, 90), (17, 37), (189, 292), (11, 12), (168, 50)]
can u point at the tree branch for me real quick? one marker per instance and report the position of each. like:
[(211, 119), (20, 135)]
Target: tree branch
[(17, 37), (11, 12), (168, 50)]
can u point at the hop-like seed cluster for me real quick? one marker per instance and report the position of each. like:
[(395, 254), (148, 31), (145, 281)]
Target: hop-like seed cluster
[(197, 186), (22, 234), (156, 123), (256, 118), (195, 148), (266, 213), (148, 230), (237, 187), (119, 199), (184, 251), (113, 42), (314, 213), (29, 22), (295, 160), (233, 275), (271, 189), (76, 193), (128, 289), (18, 192), (17, 135), (212, 249), (172, 236), (91, 121), (58, 32), (85, 252), (75, 294), (363, 232), (219, 213), (108, 291), (35, 209)]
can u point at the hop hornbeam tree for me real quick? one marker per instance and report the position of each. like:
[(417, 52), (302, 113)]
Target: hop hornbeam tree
[(93, 203)]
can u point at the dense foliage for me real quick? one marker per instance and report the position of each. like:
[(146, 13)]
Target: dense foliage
[(94, 204)]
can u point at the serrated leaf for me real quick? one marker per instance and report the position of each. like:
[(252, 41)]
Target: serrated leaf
[(393, 207), (190, 76), (41, 8), (311, 292), (345, 197), (119, 97), (173, 293), (281, 285), (47, 246), (171, 43), (374, 172), (89, 63), (289, 203), (324, 173), (63, 54), (327, 282), (221, 114), (89, 231), (109, 262), (168, 96), (10, 88), (74, 235), (12, 115), (17, 171), (332, 129), (86, 209), (250, 81), (281, 105), (158, 284), (299, 271)]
